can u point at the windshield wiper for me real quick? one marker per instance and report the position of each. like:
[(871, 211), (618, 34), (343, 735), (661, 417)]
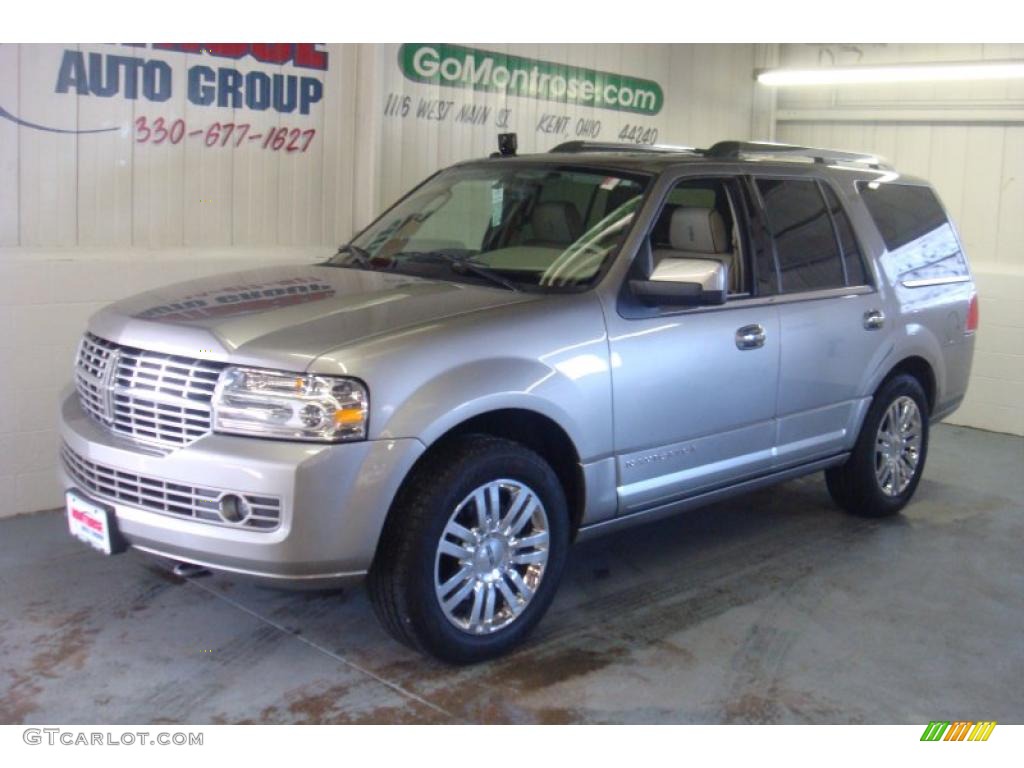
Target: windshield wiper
[(462, 265)]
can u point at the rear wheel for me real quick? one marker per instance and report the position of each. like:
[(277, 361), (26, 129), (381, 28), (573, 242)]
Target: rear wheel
[(472, 554), (885, 466)]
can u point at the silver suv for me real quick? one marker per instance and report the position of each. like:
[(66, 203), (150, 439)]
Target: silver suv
[(523, 352)]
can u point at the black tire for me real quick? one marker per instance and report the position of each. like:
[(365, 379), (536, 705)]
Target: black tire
[(854, 485), (401, 581)]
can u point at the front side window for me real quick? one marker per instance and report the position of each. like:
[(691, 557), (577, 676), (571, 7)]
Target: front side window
[(808, 255), (700, 220), (525, 227)]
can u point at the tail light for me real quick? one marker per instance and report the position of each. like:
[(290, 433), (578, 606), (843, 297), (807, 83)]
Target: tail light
[(972, 314)]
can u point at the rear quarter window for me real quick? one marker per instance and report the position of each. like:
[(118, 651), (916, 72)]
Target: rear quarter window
[(921, 243)]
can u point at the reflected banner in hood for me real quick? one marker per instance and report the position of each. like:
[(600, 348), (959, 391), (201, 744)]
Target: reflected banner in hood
[(241, 300)]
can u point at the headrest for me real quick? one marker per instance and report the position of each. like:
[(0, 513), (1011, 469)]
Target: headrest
[(556, 222), (701, 230)]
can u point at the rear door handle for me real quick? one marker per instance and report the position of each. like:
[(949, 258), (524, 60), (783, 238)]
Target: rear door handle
[(874, 319), (750, 337)]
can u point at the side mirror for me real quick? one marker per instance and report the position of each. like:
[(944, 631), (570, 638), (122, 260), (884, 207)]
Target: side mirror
[(687, 282)]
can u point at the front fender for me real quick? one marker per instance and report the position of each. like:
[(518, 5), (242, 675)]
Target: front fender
[(573, 392), (549, 356)]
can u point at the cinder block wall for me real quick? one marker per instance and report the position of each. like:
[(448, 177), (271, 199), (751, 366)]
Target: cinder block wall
[(995, 396)]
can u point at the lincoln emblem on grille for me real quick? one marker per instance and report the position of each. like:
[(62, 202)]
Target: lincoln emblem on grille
[(107, 382)]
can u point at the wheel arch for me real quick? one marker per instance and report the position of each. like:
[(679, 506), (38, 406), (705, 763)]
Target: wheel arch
[(537, 431), (541, 434), (920, 369)]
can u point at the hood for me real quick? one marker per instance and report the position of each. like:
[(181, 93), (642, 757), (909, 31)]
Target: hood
[(286, 316)]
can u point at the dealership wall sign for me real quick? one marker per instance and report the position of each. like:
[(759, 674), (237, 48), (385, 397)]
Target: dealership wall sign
[(480, 70), (218, 79), (501, 92), (133, 77)]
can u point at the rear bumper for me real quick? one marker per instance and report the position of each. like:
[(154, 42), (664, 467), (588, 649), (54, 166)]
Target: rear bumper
[(334, 498)]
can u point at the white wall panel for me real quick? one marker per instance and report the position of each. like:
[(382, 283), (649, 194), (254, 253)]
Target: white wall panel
[(339, 161), (207, 187), (255, 190), (104, 174), (159, 170), (1009, 249), (47, 161), (10, 85)]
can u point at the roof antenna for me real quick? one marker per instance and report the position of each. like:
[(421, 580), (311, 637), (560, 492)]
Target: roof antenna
[(508, 143)]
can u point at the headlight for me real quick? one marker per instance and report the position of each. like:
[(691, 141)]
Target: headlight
[(252, 401)]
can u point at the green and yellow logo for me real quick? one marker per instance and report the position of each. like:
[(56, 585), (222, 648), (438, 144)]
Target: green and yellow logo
[(959, 730), (459, 67)]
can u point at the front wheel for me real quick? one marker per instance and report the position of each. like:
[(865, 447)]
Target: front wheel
[(887, 461), (473, 551)]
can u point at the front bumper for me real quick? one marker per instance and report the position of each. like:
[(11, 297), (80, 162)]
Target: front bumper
[(334, 498)]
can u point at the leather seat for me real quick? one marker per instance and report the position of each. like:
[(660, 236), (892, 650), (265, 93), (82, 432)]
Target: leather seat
[(555, 224), (698, 233)]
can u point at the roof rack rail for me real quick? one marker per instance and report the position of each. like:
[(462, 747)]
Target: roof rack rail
[(733, 150), (611, 146)]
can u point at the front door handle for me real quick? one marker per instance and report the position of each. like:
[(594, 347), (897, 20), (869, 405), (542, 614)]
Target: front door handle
[(750, 337), (874, 319)]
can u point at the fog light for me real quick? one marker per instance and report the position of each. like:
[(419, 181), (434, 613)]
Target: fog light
[(234, 509)]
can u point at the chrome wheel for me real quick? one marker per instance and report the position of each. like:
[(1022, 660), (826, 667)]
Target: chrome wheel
[(898, 446), (491, 557)]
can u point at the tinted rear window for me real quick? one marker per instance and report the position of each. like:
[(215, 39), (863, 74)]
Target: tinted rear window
[(922, 244), (902, 213)]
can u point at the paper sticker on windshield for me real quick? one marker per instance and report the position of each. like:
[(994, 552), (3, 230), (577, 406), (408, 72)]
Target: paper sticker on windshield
[(497, 204), (610, 183)]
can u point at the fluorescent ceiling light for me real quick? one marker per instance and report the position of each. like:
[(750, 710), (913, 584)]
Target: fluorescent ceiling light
[(904, 73)]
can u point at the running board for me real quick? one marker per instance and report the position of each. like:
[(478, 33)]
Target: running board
[(701, 500)]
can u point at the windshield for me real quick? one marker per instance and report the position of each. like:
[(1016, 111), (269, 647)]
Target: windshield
[(516, 227)]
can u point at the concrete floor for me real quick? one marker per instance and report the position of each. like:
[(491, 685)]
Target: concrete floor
[(771, 608)]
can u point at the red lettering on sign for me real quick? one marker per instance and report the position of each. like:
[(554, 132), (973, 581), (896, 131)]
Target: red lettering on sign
[(300, 54), (89, 522), (307, 55), (227, 50), (158, 130), (273, 53)]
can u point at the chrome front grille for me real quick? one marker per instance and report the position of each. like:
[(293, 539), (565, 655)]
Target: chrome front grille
[(155, 495), (151, 397)]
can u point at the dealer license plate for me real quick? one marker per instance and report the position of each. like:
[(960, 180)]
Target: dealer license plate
[(89, 522)]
